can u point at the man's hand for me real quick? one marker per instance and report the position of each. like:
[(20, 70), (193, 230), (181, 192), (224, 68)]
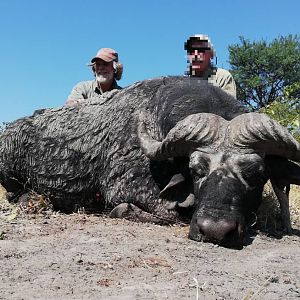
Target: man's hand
[(71, 102)]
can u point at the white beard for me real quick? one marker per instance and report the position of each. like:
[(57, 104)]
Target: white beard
[(104, 78)]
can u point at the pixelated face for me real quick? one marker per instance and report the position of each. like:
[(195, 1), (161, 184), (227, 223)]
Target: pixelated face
[(199, 56)]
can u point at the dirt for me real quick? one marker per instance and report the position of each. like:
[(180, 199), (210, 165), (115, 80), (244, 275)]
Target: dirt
[(50, 255), (82, 256)]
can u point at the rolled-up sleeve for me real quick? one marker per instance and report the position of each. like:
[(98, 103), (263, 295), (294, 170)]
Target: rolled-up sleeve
[(78, 94)]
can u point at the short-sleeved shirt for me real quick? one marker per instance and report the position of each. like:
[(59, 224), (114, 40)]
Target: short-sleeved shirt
[(87, 90), (223, 79)]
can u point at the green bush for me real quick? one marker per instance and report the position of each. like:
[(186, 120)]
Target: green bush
[(286, 111)]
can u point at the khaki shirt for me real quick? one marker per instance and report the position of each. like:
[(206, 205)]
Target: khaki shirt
[(223, 79), (87, 90)]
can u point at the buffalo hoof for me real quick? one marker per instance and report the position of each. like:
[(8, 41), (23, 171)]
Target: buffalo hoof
[(131, 212)]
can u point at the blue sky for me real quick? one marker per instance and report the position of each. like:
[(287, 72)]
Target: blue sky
[(45, 45)]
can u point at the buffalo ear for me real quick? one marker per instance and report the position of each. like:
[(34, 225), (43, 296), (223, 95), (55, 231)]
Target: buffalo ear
[(282, 170), (282, 174), (179, 191), (176, 180)]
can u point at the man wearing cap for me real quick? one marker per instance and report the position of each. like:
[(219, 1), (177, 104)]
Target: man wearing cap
[(107, 70), (200, 53)]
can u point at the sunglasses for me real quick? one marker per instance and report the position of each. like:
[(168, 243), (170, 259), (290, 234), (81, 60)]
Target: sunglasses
[(200, 50)]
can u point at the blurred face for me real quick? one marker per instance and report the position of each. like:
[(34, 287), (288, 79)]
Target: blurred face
[(199, 56), (104, 71)]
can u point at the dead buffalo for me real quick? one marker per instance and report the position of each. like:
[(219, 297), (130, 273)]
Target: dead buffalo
[(161, 150)]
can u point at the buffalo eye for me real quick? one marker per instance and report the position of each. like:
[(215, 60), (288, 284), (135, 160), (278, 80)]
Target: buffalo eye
[(252, 171), (198, 174), (199, 165)]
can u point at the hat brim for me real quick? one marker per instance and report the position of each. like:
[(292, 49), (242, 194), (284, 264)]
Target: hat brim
[(104, 58)]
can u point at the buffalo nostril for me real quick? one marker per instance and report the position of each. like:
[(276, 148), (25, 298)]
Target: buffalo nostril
[(217, 230)]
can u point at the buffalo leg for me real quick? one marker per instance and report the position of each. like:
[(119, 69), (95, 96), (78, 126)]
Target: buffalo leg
[(284, 206), (131, 212)]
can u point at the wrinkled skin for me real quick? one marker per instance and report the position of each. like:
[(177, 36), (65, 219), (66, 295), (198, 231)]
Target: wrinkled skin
[(230, 161), (228, 188), (88, 154), (97, 154)]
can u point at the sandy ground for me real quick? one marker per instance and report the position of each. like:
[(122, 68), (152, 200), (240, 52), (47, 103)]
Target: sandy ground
[(79, 256), (82, 256)]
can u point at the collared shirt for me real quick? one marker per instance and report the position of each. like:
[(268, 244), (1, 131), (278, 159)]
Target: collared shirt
[(87, 90)]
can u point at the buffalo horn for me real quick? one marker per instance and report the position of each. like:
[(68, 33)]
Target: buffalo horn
[(197, 130), (259, 132)]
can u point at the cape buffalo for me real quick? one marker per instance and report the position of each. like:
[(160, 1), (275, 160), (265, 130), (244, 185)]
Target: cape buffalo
[(162, 150)]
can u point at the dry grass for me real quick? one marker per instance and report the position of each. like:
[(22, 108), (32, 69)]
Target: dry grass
[(269, 217), (28, 204), (33, 203), (295, 196), (295, 206)]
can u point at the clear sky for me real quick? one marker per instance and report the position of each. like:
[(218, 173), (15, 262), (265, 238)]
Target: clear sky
[(46, 44)]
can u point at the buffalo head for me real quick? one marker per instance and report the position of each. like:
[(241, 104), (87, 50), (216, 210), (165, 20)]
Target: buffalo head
[(229, 161)]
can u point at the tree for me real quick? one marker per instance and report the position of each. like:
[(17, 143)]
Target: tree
[(263, 70), (287, 110)]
